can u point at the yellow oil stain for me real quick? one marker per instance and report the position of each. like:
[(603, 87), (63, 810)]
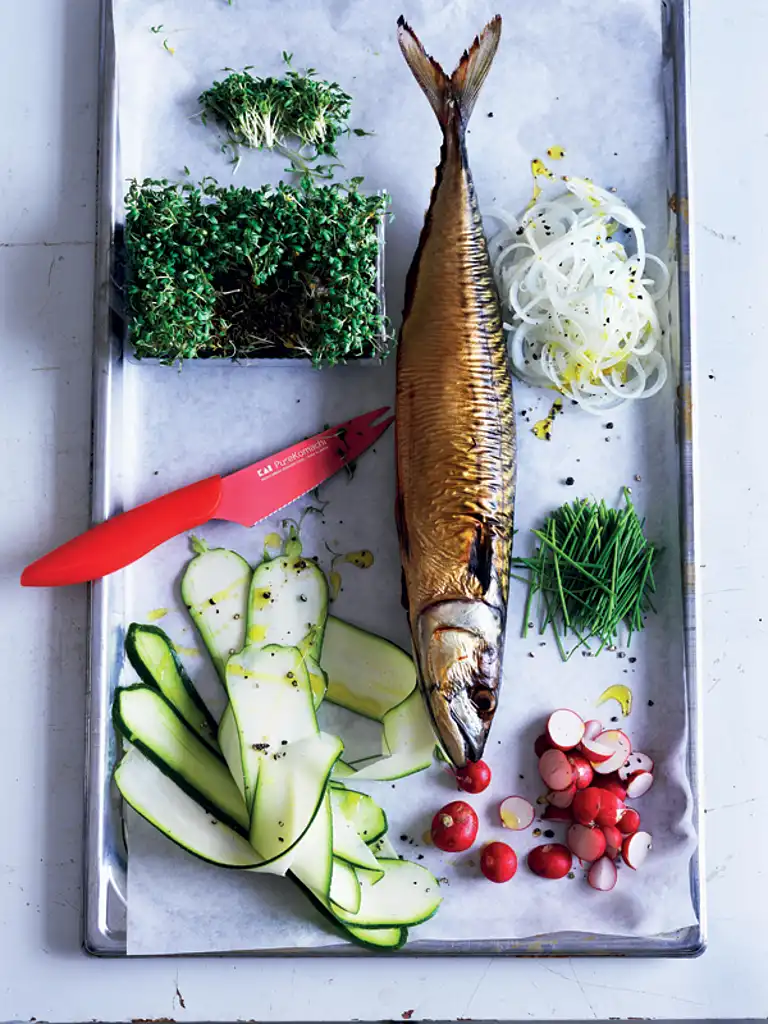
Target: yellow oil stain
[(509, 820), (257, 633), (543, 428), (362, 559), (427, 838), (186, 652), (157, 613), (540, 170), (272, 542), (334, 584), (337, 693), (555, 152), (619, 692)]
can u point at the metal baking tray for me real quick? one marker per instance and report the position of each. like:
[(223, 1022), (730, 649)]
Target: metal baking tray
[(105, 914)]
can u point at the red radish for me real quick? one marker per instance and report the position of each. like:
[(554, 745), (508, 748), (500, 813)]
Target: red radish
[(592, 728), (602, 875), (586, 805), (587, 843), (582, 770), (542, 744), (611, 808), (555, 769), (619, 743), (612, 784), (553, 813), (498, 862), (613, 841), (454, 827), (562, 797), (639, 785), (516, 813), (565, 729), (474, 777), (636, 848), (636, 762), (629, 822), (553, 860), (596, 752)]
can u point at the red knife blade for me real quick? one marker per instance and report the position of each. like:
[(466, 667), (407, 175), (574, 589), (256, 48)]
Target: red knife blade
[(246, 496)]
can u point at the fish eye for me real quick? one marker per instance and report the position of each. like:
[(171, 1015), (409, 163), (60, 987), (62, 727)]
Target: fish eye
[(484, 699)]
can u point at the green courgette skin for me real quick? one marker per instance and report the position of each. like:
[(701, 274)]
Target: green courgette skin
[(146, 675), (123, 730), (348, 933)]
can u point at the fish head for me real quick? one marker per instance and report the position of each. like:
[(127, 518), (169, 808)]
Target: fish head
[(459, 652)]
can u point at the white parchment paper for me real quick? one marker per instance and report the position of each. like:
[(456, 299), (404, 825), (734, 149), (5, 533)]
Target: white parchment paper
[(577, 74)]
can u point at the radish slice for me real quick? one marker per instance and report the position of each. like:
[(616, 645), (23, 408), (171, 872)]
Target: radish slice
[(611, 809), (596, 752), (602, 875), (516, 813), (639, 785), (542, 744), (553, 813), (592, 728), (612, 784), (635, 849), (619, 743), (613, 841), (586, 805), (636, 762), (562, 798), (629, 822), (587, 843), (555, 769), (565, 729), (582, 770)]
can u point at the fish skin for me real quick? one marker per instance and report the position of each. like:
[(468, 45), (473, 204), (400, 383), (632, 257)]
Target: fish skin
[(455, 430)]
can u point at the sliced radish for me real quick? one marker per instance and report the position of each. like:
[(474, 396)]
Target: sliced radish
[(555, 769), (587, 843), (586, 805), (611, 808), (553, 813), (582, 770), (639, 785), (636, 762), (636, 848), (602, 875), (629, 822), (553, 860), (565, 729), (516, 813), (592, 728), (619, 743), (542, 744), (613, 841), (596, 752), (562, 798), (612, 784)]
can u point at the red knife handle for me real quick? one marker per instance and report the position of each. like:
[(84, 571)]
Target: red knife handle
[(124, 538)]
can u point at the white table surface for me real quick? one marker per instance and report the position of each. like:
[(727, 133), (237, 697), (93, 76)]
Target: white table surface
[(48, 53)]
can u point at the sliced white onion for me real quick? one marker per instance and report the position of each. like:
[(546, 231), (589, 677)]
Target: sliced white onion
[(580, 313)]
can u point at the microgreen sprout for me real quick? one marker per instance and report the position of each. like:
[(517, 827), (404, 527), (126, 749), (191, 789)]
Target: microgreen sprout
[(299, 116), (236, 272)]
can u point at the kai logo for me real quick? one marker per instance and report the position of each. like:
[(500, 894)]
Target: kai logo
[(269, 468)]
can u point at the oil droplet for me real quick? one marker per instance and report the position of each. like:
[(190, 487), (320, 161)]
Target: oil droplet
[(427, 838), (556, 152), (257, 633), (620, 693), (509, 820), (362, 559), (157, 613), (272, 542), (543, 428), (334, 579), (540, 170)]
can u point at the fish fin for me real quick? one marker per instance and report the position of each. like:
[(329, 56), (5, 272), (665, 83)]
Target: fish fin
[(460, 91), (481, 556)]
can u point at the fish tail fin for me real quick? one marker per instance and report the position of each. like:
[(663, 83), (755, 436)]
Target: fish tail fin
[(457, 93)]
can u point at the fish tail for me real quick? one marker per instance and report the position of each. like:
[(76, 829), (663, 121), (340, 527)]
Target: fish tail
[(455, 95)]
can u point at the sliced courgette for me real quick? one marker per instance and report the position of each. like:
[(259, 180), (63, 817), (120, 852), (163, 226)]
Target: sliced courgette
[(318, 680), (154, 658), (370, 938), (383, 849), (349, 847), (345, 887), (288, 604), (366, 673), (362, 811), (312, 860), (229, 744), (170, 809), (407, 895), (409, 740), (143, 715), (215, 589), (341, 770), (272, 702), (291, 788)]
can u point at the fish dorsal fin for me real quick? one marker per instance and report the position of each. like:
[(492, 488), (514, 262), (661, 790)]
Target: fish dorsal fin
[(460, 91)]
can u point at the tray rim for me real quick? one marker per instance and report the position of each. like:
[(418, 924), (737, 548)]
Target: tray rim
[(103, 919)]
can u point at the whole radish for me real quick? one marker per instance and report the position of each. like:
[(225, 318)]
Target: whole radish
[(553, 860), (474, 777), (454, 827), (498, 862)]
